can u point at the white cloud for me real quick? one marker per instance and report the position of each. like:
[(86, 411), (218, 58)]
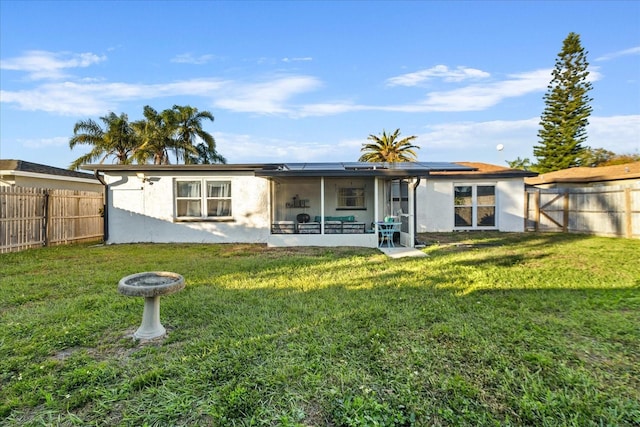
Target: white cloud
[(613, 55), (620, 134), (480, 97), (59, 99), (475, 97), (440, 72), (41, 65), (275, 96), (239, 148), (59, 141), (188, 58), (267, 97), (90, 98), (301, 59), (72, 98), (329, 109), (477, 140)]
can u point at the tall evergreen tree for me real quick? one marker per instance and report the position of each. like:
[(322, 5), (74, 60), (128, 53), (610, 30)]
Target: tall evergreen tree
[(566, 115)]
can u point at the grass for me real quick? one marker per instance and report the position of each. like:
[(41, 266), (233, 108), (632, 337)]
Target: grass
[(490, 329)]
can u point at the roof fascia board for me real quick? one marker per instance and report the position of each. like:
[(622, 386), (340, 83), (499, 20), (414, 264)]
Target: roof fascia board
[(587, 180), (488, 175), (173, 168), (5, 173)]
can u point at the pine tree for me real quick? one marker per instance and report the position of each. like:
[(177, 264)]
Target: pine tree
[(566, 115)]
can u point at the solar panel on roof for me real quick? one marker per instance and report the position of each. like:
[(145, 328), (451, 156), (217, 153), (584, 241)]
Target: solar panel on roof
[(324, 166), (416, 168)]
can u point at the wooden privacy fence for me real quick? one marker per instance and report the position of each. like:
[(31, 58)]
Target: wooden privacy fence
[(605, 211), (33, 217)]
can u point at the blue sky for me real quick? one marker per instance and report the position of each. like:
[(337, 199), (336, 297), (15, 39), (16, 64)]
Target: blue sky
[(309, 81)]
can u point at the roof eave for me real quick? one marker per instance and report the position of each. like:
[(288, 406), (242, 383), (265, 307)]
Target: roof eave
[(172, 168)]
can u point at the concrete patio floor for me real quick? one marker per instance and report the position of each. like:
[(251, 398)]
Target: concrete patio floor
[(402, 252)]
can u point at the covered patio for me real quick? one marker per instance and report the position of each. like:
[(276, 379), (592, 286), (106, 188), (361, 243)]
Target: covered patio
[(342, 204)]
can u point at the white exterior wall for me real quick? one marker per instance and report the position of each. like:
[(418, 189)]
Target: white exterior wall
[(435, 209), (510, 208), (144, 212)]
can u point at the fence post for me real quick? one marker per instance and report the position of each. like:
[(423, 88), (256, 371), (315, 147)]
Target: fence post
[(565, 213), (628, 217), (47, 218), (537, 211), (526, 209)]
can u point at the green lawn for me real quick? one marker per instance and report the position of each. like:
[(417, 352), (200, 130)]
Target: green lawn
[(490, 329)]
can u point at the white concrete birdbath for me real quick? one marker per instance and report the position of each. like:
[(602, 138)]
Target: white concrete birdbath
[(151, 285)]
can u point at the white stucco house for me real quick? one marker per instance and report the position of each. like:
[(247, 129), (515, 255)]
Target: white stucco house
[(306, 204)]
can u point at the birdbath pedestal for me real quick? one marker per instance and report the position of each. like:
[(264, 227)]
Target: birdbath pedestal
[(151, 285)]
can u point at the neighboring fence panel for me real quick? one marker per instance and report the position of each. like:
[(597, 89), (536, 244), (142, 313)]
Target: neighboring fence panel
[(31, 217), (606, 211)]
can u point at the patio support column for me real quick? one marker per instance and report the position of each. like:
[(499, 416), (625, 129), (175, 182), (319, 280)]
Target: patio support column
[(376, 204)]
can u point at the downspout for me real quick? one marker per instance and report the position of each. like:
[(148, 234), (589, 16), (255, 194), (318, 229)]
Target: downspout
[(414, 187), (105, 209)]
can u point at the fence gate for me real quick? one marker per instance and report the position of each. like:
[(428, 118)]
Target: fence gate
[(607, 211)]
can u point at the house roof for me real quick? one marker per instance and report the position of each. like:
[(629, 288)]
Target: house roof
[(585, 174), (446, 170), (486, 170), (299, 169), (22, 168)]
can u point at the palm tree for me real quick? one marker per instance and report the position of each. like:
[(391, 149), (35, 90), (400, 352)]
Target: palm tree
[(116, 139), (188, 128), (207, 155), (389, 149), (155, 134)]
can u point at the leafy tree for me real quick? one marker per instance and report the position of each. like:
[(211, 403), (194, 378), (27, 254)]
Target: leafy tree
[(389, 148), (116, 139), (601, 157), (566, 115), (590, 157), (523, 164), (620, 159)]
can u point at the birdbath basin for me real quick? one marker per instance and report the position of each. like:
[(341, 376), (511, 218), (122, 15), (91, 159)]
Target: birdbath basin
[(151, 285)]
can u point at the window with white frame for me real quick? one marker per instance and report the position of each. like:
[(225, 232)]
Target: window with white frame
[(474, 206), (351, 198), (203, 199)]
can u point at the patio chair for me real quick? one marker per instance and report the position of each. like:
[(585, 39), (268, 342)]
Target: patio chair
[(387, 230)]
